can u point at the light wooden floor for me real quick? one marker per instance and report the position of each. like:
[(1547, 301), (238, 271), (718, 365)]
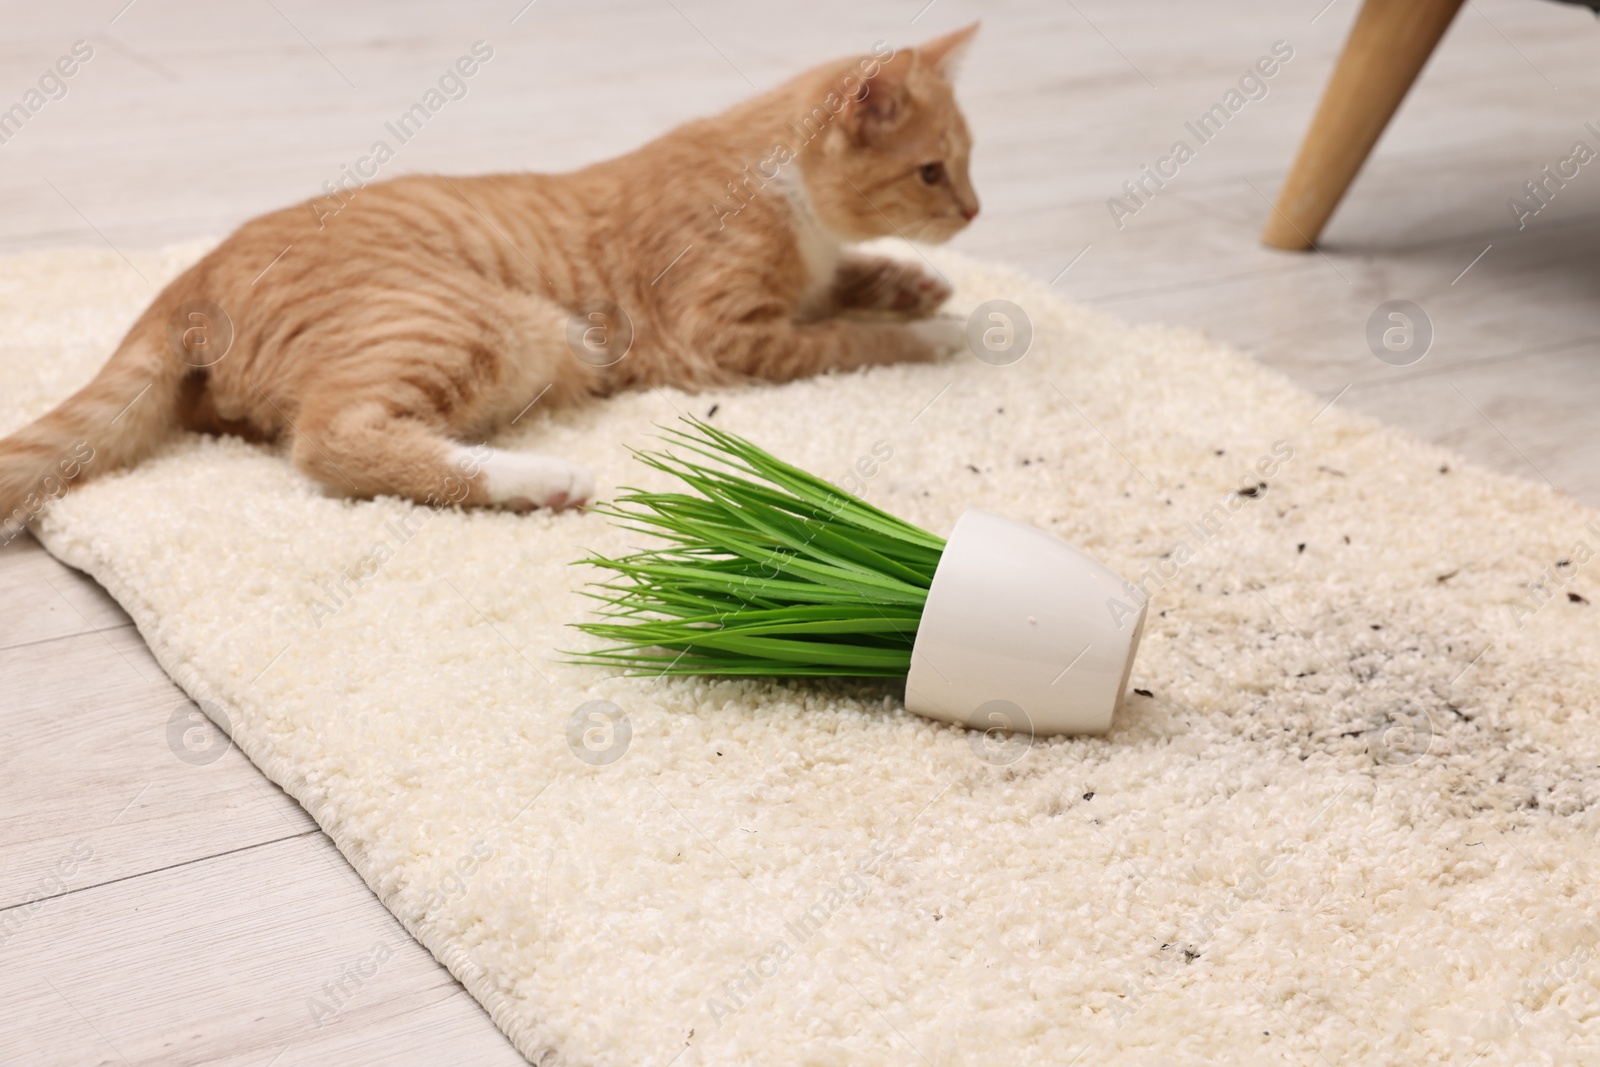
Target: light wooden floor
[(192, 911)]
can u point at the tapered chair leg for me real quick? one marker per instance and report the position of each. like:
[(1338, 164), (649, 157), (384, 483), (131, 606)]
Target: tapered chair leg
[(1390, 43)]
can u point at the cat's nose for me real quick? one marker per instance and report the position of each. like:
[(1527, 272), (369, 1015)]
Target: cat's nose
[(969, 211)]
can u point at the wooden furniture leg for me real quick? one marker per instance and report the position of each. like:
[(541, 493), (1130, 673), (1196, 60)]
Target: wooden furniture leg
[(1388, 46)]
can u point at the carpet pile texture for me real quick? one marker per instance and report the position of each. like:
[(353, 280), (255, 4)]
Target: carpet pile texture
[(1350, 809)]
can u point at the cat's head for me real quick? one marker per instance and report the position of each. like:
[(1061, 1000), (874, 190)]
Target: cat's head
[(894, 162)]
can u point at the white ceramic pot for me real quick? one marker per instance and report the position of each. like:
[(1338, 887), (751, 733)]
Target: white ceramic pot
[(1019, 618)]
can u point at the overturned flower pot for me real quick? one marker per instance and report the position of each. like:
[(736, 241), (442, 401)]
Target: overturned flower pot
[(765, 569)]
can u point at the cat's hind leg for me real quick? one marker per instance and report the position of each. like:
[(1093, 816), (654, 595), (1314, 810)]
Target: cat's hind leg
[(367, 448)]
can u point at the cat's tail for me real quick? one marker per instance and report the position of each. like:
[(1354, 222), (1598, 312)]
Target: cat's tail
[(116, 420)]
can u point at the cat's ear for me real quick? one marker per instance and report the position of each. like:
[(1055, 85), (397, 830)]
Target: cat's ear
[(944, 54), (881, 101)]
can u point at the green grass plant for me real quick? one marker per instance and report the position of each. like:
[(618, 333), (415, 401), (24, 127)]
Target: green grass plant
[(760, 569)]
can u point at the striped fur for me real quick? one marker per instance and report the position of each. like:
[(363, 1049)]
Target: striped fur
[(426, 312)]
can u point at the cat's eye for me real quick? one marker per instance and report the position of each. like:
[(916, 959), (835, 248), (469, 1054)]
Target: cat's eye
[(933, 173)]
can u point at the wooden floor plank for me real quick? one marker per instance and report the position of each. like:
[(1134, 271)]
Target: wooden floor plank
[(102, 758), (45, 600), (235, 959)]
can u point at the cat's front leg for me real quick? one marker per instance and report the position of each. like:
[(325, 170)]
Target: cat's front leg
[(784, 350), (876, 283)]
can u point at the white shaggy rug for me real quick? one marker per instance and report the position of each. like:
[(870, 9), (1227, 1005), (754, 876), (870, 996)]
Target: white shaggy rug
[(1349, 818)]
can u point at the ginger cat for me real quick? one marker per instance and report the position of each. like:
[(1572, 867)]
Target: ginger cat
[(385, 332)]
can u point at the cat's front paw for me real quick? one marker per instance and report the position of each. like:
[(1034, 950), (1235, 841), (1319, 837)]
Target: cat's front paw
[(523, 481), (918, 296), (944, 336), (888, 286)]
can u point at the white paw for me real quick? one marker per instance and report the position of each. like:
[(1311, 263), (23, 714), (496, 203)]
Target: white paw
[(523, 481), (947, 336)]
